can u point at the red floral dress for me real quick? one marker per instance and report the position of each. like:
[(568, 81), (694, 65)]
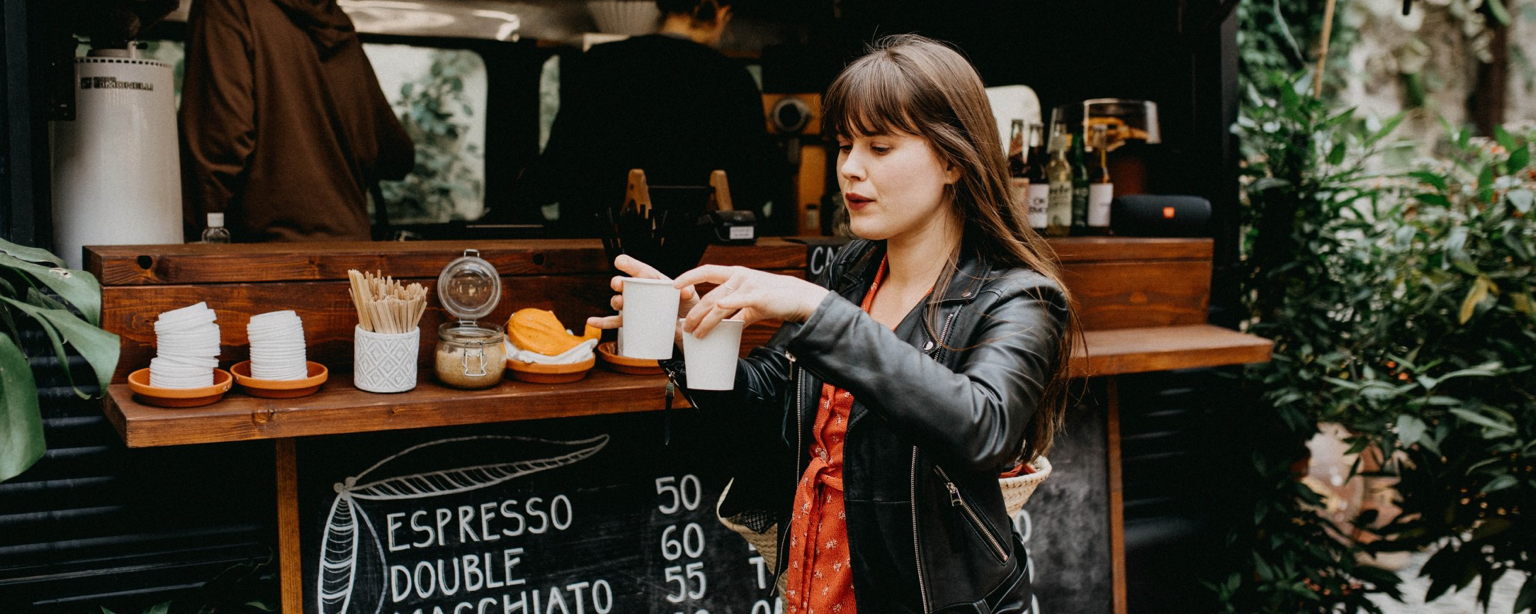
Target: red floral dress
[(820, 574)]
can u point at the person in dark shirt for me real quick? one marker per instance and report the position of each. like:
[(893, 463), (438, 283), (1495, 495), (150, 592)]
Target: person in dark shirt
[(283, 125), (667, 103)]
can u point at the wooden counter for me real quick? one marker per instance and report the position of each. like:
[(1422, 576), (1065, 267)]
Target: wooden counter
[(1142, 304), (340, 408)]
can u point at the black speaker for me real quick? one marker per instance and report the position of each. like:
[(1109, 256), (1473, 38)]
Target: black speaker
[(1146, 215)]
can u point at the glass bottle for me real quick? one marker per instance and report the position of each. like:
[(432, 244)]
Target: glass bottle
[(1018, 167), (1102, 190), (215, 232), (1059, 175), (1079, 189), (1034, 170)]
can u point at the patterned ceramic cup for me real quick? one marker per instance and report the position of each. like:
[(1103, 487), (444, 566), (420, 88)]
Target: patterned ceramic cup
[(384, 362)]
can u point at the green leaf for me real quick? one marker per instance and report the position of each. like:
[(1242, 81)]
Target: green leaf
[(79, 288), (160, 608), (1488, 369), (1430, 178), (42, 300), (1504, 138), (1518, 159), (1485, 180), (261, 605), (1410, 429), (1431, 198), (99, 348), (29, 254), (104, 610), (1481, 420), (1499, 483), (1496, 8), (1527, 598), (1386, 128), (1456, 250), (1336, 156), (21, 423)]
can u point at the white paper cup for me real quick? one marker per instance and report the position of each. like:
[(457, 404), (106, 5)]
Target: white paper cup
[(384, 362), (650, 318), (711, 361)]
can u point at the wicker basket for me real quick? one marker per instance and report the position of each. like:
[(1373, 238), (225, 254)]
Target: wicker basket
[(1016, 490), (766, 542)]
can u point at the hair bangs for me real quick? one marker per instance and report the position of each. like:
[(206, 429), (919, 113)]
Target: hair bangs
[(871, 97)]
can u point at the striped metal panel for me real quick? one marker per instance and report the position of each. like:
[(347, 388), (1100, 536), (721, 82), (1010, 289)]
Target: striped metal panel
[(96, 524)]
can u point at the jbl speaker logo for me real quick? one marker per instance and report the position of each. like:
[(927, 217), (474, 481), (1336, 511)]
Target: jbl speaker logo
[(112, 83)]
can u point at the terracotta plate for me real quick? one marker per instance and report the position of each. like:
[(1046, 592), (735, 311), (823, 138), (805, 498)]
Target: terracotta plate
[(138, 382), (279, 389), (623, 364), (549, 374)]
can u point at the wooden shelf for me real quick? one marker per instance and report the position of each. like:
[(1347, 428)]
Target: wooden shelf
[(340, 408), (1165, 348)]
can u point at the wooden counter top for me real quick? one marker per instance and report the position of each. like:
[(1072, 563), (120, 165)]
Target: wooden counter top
[(341, 408)]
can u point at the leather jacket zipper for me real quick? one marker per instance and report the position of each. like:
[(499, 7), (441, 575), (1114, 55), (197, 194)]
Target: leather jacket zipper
[(794, 371), (982, 528), (938, 348), (917, 543), (917, 546)]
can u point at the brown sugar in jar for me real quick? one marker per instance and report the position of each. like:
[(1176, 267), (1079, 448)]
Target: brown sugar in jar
[(469, 355)]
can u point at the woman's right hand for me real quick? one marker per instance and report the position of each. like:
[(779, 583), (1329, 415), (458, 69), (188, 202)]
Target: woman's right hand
[(636, 268)]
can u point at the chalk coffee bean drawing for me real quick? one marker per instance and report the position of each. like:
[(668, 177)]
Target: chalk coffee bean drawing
[(344, 550)]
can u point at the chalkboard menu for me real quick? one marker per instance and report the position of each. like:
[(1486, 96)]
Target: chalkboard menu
[(582, 515)]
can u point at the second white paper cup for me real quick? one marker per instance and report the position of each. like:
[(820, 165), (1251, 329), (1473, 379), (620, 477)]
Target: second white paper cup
[(711, 361), (650, 315)]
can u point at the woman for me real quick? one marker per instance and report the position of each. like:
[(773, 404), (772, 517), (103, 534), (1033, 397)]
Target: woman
[(946, 323)]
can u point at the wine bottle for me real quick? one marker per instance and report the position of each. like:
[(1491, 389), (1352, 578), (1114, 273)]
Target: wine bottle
[(1102, 190), (1079, 189), (1018, 180), (1039, 188), (1058, 173)]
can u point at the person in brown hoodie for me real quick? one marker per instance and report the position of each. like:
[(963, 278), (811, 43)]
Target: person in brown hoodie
[(283, 125)]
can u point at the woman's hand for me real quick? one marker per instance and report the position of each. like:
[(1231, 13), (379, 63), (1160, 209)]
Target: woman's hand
[(749, 295), (636, 268)]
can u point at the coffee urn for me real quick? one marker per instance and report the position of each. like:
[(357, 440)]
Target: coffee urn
[(116, 171)]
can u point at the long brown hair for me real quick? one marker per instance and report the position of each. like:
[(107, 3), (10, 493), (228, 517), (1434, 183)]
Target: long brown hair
[(915, 85)]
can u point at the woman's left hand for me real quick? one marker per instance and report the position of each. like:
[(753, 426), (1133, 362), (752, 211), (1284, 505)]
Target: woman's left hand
[(747, 294)]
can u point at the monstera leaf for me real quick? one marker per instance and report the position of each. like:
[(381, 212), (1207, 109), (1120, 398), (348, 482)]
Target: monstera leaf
[(30, 278)]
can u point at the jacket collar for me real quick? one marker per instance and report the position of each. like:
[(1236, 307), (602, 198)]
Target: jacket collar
[(974, 270)]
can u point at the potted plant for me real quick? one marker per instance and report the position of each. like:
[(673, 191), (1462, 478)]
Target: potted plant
[(66, 305)]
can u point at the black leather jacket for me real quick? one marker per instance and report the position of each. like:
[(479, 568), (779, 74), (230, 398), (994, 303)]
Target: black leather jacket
[(933, 423)]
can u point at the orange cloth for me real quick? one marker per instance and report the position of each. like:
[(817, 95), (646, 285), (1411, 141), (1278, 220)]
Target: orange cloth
[(820, 570), (1018, 470)]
